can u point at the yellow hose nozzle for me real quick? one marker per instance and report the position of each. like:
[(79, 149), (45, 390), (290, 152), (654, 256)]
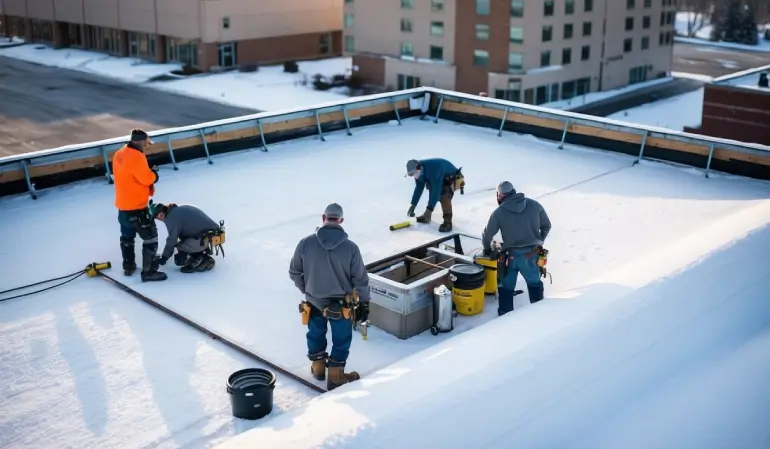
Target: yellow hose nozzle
[(402, 225), (95, 267)]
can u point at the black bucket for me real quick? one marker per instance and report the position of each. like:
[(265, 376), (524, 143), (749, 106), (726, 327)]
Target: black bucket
[(469, 277), (251, 393)]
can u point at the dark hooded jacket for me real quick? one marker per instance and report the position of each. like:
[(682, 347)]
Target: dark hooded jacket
[(327, 265), (522, 222)]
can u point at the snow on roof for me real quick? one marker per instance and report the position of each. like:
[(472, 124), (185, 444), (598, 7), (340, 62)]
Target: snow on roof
[(124, 375), (746, 78)]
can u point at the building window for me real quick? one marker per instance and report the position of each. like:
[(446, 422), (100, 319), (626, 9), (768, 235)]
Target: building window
[(406, 25), (407, 4), (350, 44), (630, 4), (182, 51), (645, 43), (228, 53), (406, 49), (566, 56), (662, 19), (436, 52), (482, 7), (629, 23), (545, 58), (568, 31), (437, 28), (408, 82), (670, 18), (516, 35), (660, 39), (569, 7), (547, 33), (646, 22), (588, 5), (586, 28), (349, 20), (628, 45), (668, 37), (480, 58), (517, 8), (567, 90), (637, 75), (585, 53), (325, 44), (225, 23), (436, 5), (548, 8), (648, 3), (515, 62), (583, 86), (348, 1), (482, 32)]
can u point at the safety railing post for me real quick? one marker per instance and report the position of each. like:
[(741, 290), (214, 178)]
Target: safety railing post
[(262, 135), (395, 109), (708, 162), (641, 148), (318, 125), (438, 109), (502, 122), (205, 146), (107, 173), (30, 185), (171, 153), (564, 134), (347, 120)]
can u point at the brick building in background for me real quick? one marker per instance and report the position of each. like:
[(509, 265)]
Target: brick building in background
[(737, 107), (533, 51), (199, 33)]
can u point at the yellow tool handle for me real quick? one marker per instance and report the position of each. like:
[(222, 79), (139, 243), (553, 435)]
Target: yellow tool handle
[(402, 225), (95, 267)]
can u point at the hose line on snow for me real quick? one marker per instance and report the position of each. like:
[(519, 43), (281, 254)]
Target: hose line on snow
[(69, 278)]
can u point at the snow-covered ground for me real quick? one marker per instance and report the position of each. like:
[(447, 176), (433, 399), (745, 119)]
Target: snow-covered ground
[(267, 89), (10, 41), (628, 215), (672, 113), (703, 34), (599, 96)]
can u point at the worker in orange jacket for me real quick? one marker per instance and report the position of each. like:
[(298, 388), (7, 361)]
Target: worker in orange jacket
[(134, 185)]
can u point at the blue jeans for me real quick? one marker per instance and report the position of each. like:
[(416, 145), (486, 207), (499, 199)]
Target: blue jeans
[(522, 261), (342, 337), (127, 229)]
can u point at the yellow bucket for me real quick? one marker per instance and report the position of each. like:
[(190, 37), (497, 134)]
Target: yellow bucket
[(468, 288), (490, 268)]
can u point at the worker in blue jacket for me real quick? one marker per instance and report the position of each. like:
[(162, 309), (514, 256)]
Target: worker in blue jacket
[(441, 178)]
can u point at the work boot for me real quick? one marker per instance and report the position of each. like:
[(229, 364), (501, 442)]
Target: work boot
[(446, 209), (129, 256), (338, 376), (446, 226), (504, 301), (535, 293), (206, 264), (180, 258), (193, 262), (318, 365), (150, 271)]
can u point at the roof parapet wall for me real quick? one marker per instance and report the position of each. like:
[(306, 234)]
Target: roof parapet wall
[(31, 172)]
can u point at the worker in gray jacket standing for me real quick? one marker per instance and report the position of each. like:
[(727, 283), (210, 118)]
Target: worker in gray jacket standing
[(524, 225), (189, 229), (328, 269)]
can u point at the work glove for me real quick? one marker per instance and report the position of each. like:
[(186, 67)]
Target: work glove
[(492, 253), (159, 260), (425, 217), (180, 259), (410, 212), (362, 315)]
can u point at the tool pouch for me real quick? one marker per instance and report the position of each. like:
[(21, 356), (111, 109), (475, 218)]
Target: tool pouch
[(459, 182), (336, 310), (213, 240), (542, 257), (304, 311)]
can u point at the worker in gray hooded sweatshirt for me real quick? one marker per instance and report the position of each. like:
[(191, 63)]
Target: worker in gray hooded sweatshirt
[(328, 268), (524, 225), (187, 228)]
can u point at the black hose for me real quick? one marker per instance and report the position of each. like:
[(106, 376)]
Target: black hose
[(71, 277)]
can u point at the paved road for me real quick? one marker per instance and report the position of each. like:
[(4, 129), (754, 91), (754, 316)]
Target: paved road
[(715, 61), (45, 107)]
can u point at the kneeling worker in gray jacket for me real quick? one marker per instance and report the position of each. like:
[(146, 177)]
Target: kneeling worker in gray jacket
[(328, 269), (524, 225), (189, 229)]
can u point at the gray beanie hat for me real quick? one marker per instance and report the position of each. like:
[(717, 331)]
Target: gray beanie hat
[(333, 211), (505, 188), (411, 166)]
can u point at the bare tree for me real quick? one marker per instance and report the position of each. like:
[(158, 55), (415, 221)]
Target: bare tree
[(698, 14)]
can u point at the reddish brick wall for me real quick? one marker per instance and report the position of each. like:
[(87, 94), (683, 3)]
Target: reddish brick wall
[(735, 113), (371, 69)]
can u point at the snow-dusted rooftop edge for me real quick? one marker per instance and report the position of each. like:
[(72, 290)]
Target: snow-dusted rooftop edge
[(744, 78), (108, 372)]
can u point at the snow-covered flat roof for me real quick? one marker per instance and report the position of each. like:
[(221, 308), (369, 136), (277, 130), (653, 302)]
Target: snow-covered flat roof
[(621, 325)]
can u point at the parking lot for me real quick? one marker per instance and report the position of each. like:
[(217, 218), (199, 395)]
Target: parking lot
[(46, 107), (715, 61)]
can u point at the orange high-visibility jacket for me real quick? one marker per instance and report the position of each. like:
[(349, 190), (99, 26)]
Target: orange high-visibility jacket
[(133, 179)]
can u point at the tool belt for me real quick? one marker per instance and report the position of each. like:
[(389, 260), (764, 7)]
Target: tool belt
[(214, 239), (456, 181), (338, 309), (542, 261)]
